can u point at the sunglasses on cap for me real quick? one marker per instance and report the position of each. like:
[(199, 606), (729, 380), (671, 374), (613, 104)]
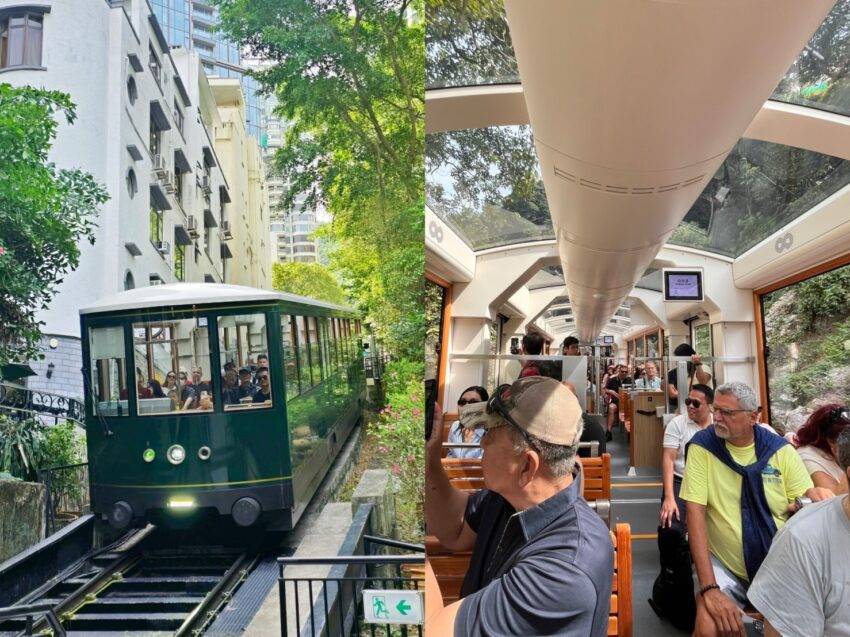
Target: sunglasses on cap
[(497, 405), (693, 402), (463, 401)]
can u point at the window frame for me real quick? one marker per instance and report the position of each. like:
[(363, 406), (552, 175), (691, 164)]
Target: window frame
[(25, 14)]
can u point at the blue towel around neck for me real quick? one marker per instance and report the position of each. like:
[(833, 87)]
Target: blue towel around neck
[(757, 525)]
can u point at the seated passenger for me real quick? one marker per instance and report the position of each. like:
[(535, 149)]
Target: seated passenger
[(143, 390), (246, 389), (156, 388), (649, 381), (230, 388), (197, 382), (171, 390), (803, 585), (264, 388), (205, 402), (470, 396), (542, 560), (817, 446), (612, 391), (740, 484)]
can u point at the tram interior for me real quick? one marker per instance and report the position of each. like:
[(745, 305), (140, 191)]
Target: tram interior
[(577, 150)]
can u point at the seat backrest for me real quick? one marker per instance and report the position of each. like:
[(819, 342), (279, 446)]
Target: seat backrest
[(464, 473), (597, 477)]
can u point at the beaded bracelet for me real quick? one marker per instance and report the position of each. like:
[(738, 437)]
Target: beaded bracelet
[(705, 589)]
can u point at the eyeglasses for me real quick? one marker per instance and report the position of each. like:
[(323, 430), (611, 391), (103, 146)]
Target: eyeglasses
[(693, 402), (463, 401), (263, 377), (170, 377), (727, 413)]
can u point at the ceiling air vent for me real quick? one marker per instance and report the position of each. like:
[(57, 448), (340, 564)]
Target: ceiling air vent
[(626, 190)]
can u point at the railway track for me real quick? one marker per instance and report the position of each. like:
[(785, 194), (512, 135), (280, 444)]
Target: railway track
[(143, 585)]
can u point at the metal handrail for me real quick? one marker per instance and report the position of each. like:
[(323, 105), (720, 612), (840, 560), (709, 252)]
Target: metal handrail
[(32, 610)]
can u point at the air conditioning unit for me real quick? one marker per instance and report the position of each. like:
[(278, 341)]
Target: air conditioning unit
[(156, 282), (205, 184), (225, 230), (159, 165), (162, 246), (192, 227)]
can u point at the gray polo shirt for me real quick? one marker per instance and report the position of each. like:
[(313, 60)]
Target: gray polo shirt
[(542, 571)]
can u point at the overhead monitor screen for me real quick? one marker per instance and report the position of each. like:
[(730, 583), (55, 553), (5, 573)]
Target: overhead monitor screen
[(608, 340), (683, 285)]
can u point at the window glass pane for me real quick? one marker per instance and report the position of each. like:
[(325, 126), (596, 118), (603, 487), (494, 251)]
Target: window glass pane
[(15, 46), (303, 354), (172, 365), (807, 331), (702, 339), (290, 366), (652, 345), (108, 371), (242, 339), (32, 54), (315, 354), (435, 300)]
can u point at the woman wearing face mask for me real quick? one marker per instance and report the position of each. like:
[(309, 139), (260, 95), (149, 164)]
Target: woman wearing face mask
[(457, 433)]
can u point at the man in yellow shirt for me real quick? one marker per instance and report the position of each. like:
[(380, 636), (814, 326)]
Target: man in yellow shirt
[(740, 484)]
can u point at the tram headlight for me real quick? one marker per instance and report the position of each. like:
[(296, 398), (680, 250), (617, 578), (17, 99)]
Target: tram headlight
[(148, 455), (176, 454)]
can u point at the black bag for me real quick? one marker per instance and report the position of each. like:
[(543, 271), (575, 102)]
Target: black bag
[(673, 590)]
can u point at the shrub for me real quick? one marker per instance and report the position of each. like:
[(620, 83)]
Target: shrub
[(21, 447), (400, 434)]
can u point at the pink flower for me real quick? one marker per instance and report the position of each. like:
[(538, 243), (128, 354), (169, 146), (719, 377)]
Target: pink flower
[(396, 469), (416, 412), (384, 450), (411, 458), (389, 427), (396, 415)]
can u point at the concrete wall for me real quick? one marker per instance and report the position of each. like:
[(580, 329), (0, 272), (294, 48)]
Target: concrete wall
[(22, 521)]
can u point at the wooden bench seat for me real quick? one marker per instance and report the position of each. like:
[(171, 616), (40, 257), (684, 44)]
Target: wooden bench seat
[(450, 569)]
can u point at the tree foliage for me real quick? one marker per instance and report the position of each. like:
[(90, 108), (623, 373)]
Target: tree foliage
[(44, 212), (307, 279), (349, 77)]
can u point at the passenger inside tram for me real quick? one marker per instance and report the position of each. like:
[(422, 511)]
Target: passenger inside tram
[(542, 559), (459, 434), (817, 444)]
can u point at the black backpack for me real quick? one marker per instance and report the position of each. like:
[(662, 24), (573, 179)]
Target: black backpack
[(673, 590)]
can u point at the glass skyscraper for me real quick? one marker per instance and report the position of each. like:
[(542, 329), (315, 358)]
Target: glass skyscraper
[(190, 24)]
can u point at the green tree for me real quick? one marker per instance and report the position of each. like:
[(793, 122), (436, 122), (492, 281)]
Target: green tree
[(349, 77), (44, 212), (307, 279)]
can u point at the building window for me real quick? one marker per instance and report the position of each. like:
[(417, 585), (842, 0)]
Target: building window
[(129, 281), (180, 262), (178, 117), (20, 40), (132, 91), (132, 184), (156, 227), (153, 63), (155, 140), (178, 185)]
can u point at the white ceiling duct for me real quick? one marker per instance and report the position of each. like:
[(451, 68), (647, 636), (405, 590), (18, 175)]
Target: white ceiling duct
[(634, 104)]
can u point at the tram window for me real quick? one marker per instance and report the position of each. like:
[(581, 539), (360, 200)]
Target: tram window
[(242, 339), (323, 331), (290, 356), (652, 345), (303, 354), (335, 343), (315, 354), (166, 353), (108, 371)]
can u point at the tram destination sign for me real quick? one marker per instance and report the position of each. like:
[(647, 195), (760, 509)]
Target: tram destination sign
[(392, 607)]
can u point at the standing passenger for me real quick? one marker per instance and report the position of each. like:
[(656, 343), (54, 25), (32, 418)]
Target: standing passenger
[(542, 560)]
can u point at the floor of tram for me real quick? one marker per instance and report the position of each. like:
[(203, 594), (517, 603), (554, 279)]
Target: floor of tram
[(635, 499)]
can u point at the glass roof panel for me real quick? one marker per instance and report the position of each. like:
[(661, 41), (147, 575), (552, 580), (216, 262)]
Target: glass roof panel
[(820, 76), (468, 44), (651, 280), (760, 187), (485, 184)]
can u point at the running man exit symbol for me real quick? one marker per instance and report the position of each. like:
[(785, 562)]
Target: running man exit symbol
[(392, 607)]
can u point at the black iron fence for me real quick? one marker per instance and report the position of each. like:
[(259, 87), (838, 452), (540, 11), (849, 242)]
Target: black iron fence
[(332, 605), (20, 402), (33, 611), (67, 496)]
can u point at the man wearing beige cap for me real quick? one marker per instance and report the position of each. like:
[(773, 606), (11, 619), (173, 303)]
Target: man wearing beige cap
[(542, 560)]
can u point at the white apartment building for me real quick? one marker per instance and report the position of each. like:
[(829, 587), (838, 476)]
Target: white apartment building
[(145, 129)]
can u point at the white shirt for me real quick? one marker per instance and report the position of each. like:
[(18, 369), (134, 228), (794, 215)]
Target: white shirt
[(678, 433), (645, 383), (817, 460), (802, 587)]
